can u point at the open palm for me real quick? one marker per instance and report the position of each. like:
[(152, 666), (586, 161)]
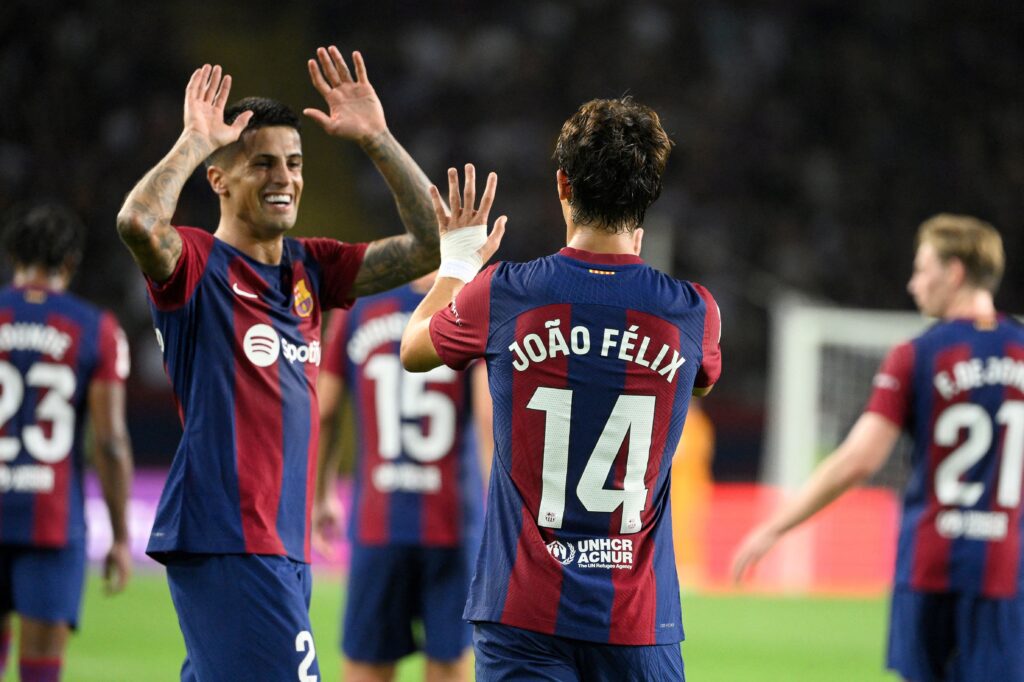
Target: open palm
[(205, 97), (354, 111)]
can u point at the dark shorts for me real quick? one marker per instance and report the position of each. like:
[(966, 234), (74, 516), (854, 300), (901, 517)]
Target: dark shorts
[(43, 584), (940, 637), (389, 588), (505, 654), (243, 617)]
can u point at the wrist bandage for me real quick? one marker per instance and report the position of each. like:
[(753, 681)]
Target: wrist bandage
[(459, 252)]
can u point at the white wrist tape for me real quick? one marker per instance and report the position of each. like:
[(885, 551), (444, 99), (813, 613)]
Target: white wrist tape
[(460, 256)]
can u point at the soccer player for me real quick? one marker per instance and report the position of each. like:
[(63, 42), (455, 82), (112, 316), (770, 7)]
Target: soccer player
[(62, 362), (238, 317), (592, 356), (958, 391), (418, 497)]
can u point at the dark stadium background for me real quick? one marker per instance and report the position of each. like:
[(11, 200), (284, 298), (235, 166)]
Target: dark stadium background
[(812, 137)]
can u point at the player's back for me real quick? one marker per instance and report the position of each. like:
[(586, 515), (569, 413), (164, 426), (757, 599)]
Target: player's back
[(592, 359), (961, 527), (52, 345), (417, 479)]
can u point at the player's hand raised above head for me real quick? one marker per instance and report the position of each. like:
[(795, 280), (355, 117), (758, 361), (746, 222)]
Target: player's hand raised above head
[(205, 98), (464, 211), (354, 111)]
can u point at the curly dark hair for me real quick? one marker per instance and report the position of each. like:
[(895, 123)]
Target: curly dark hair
[(266, 112), (614, 152), (44, 234)]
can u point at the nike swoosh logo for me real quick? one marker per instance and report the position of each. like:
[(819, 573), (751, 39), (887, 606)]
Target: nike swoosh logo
[(240, 292)]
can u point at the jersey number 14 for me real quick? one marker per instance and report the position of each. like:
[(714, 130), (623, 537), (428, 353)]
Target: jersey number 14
[(633, 415)]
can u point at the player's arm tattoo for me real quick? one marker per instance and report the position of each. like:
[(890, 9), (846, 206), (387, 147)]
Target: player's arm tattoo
[(144, 221), (396, 260)]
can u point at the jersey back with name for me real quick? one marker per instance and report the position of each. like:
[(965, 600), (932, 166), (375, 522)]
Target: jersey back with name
[(958, 390), (591, 361), (241, 342), (52, 347), (417, 474)]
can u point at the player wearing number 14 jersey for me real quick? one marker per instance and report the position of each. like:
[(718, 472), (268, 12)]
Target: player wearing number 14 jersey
[(958, 391), (592, 356)]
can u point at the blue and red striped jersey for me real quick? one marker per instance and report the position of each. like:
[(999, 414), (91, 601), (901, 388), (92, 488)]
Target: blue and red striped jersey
[(53, 346), (958, 391), (241, 343), (591, 361), (417, 476)]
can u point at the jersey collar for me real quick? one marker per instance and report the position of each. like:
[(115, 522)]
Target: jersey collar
[(601, 258)]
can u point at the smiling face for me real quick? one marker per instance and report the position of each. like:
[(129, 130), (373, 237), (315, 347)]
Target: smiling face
[(260, 184)]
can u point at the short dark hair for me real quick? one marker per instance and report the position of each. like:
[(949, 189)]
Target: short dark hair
[(266, 112), (45, 234), (614, 153)]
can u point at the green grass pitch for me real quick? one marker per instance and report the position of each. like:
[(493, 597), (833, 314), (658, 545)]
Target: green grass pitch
[(135, 636)]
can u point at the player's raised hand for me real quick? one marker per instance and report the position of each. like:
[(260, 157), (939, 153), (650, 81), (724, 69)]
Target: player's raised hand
[(354, 111), (117, 568), (752, 549), (205, 98), (464, 212)]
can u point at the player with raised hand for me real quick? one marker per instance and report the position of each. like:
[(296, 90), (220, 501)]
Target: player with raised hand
[(592, 356), (238, 317), (63, 362), (958, 391)]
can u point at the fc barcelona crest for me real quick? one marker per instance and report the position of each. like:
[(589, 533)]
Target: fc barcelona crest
[(303, 299)]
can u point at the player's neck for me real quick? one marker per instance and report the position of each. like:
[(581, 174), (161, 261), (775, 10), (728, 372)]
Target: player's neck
[(596, 240), (971, 304), (36, 277), (263, 249)]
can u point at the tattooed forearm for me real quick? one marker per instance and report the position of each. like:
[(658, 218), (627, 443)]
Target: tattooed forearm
[(144, 221), (411, 190), (391, 262)]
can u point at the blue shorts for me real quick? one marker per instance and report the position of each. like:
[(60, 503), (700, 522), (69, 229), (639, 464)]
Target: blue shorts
[(935, 637), (391, 587), (43, 584), (243, 617), (507, 653)]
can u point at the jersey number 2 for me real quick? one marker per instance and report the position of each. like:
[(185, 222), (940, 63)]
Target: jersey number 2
[(633, 415), (58, 383), (949, 488)]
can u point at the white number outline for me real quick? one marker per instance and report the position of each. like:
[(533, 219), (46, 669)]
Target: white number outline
[(304, 642), (950, 489), (59, 383), (632, 415)]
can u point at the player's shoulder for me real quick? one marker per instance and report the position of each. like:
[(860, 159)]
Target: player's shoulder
[(196, 235)]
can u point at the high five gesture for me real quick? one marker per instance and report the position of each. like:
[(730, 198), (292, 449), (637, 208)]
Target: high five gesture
[(354, 111)]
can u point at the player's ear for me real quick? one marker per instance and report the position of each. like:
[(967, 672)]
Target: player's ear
[(957, 271), (564, 188), (216, 177)]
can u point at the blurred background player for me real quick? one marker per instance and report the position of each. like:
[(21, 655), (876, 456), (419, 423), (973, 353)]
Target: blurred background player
[(592, 356), (418, 498), (238, 316), (692, 485), (958, 391), (62, 362)]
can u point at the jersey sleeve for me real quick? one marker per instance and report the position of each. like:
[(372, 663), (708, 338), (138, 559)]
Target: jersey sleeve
[(114, 362), (459, 331), (711, 364), (178, 288), (891, 387), (334, 344), (339, 264)]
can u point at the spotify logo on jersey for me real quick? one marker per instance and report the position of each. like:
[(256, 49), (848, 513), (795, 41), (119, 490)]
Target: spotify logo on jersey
[(262, 345)]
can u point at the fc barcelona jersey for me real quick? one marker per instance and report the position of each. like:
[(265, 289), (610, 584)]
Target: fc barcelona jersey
[(52, 347), (591, 361), (417, 476), (241, 343), (958, 391)]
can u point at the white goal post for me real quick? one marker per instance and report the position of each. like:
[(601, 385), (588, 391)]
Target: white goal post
[(822, 360)]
